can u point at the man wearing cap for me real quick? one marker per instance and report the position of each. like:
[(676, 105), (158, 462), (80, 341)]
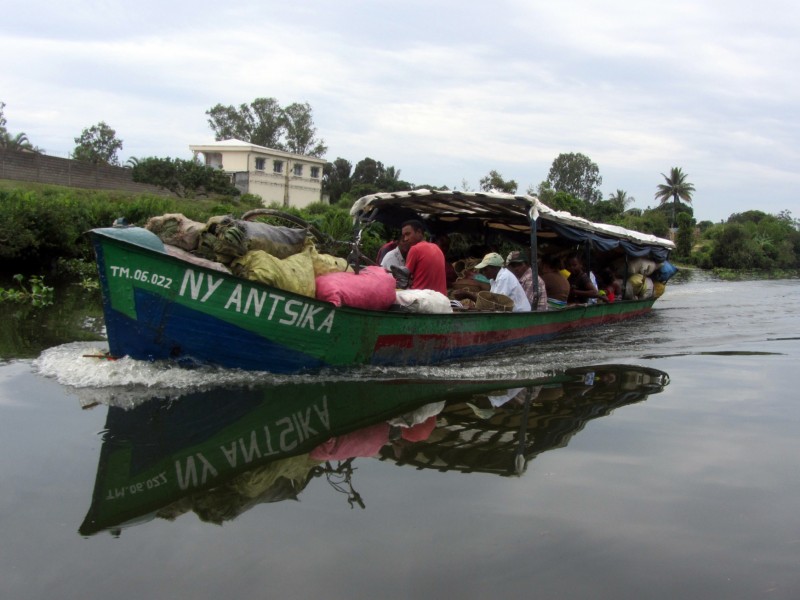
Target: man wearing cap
[(502, 281), (517, 263)]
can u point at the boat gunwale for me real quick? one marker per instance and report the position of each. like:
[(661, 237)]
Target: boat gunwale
[(470, 314)]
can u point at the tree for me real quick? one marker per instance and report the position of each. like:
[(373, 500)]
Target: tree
[(611, 210), (391, 175), (495, 182), (390, 181), (260, 122), (263, 122), (15, 142), (621, 199), (366, 176), (676, 188), (567, 202), (368, 171), (576, 175), (182, 177), (685, 238), (648, 221), (19, 142), (544, 191), (98, 144), (300, 131), (735, 248), (336, 179)]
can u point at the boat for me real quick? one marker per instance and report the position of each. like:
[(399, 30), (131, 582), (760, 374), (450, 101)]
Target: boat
[(158, 306), (221, 452)]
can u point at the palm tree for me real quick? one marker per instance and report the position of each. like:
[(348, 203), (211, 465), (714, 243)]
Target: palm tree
[(676, 188), (391, 174), (15, 142), (621, 199)]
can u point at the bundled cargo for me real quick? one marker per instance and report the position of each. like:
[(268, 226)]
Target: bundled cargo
[(293, 274), (235, 238), (208, 237), (327, 263), (634, 266), (372, 289), (638, 287), (665, 272), (424, 301), (176, 230)]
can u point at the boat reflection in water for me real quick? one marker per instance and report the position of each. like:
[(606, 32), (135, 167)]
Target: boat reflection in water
[(219, 453)]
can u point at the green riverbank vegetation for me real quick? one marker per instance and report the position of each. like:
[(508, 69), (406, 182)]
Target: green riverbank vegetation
[(42, 228)]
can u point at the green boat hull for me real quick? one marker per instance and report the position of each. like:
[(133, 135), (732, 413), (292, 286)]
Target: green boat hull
[(160, 307)]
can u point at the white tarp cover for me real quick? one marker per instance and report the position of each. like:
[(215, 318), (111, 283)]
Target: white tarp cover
[(497, 206)]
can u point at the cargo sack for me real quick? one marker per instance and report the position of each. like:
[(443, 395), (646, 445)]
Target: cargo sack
[(638, 287), (371, 289), (636, 266), (424, 301), (664, 273), (176, 230), (236, 238), (293, 274), (208, 237), (327, 263)]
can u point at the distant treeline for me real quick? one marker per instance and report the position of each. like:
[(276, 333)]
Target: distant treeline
[(752, 240), (41, 224)]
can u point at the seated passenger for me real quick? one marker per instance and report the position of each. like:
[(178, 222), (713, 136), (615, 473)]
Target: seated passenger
[(395, 263), (425, 261), (581, 288), (385, 249), (517, 263), (502, 281), (555, 283), (609, 285)]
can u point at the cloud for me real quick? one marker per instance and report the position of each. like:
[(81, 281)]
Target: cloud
[(443, 91)]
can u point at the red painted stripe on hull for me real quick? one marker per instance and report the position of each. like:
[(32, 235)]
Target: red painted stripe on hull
[(478, 338)]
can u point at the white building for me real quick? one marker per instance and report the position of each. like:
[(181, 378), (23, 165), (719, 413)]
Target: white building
[(274, 175)]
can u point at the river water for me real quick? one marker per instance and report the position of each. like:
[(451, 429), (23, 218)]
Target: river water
[(652, 459)]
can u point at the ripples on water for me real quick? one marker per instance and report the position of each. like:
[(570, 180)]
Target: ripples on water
[(698, 316), (692, 487)]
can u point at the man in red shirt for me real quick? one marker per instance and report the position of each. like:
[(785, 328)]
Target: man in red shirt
[(425, 261)]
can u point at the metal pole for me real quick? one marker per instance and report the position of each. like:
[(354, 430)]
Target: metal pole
[(534, 260)]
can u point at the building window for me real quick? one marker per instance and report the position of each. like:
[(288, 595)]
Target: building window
[(277, 166), (214, 160), (298, 170), (260, 163), (315, 172)]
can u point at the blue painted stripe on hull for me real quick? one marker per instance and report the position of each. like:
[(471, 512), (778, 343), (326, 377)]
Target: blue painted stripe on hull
[(164, 330)]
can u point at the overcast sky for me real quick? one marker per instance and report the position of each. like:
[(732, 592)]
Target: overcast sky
[(443, 91)]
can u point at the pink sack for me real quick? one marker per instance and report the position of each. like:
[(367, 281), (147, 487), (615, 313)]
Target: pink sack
[(372, 289)]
